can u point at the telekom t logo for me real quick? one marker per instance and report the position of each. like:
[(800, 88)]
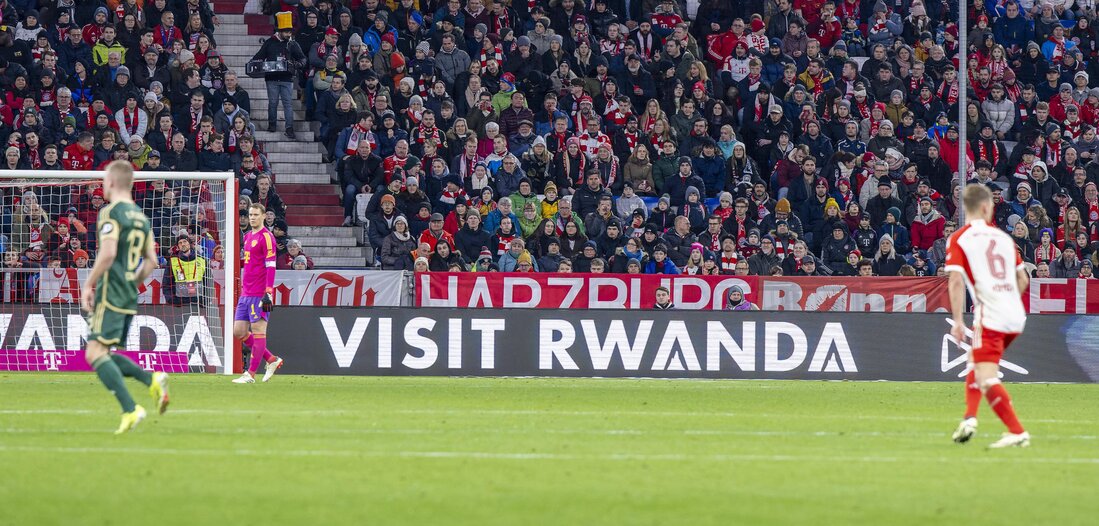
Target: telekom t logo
[(52, 360), (147, 360)]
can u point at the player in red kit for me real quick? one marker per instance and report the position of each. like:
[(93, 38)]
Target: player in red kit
[(982, 258), (257, 279)]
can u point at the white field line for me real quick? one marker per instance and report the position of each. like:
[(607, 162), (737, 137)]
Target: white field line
[(514, 431), (489, 455), (521, 412)]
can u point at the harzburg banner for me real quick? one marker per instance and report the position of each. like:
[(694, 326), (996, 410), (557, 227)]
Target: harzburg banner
[(574, 291), (52, 338), (855, 294), (663, 344), (348, 288), (625, 291)]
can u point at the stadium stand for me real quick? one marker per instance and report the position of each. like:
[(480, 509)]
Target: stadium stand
[(784, 122)]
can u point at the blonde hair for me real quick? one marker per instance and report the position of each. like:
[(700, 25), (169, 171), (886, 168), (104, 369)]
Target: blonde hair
[(349, 99), (974, 196), (121, 174)]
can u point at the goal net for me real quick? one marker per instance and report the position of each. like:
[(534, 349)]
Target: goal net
[(47, 238)]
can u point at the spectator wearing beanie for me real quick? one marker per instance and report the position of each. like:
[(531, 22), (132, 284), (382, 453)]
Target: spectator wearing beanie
[(676, 186), (897, 233)]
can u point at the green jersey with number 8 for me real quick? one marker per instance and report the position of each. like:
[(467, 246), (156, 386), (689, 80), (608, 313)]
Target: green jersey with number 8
[(125, 222)]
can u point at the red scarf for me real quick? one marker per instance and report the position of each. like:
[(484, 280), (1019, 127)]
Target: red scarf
[(987, 151), (1058, 49), (741, 232), (358, 134), (759, 109), (913, 83), (485, 56), (500, 21), (425, 134), (422, 85), (231, 140), (1024, 110), (581, 162), (612, 176), (502, 244), (1072, 129), (645, 44), (631, 139), (1053, 153), (561, 138), (948, 93), (728, 263), (753, 81), (863, 109), (657, 143), (466, 166), (611, 47), (34, 158), (818, 83), (130, 121), (715, 245), (878, 25), (453, 197)]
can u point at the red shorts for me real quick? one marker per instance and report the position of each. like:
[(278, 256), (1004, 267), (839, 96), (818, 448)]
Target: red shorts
[(989, 345)]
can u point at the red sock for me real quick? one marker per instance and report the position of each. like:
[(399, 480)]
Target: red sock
[(972, 395), (1000, 402)]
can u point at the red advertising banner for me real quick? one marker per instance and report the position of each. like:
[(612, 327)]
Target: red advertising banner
[(625, 291), (1062, 296), (856, 294), (575, 291), (315, 288)]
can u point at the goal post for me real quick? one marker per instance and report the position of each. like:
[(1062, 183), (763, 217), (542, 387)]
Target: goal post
[(185, 318)]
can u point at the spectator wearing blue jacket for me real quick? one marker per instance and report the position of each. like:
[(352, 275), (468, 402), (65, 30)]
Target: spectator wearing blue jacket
[(902, 242), (1055, 41), (503, 209), (660, 264), (676, 186), (711, 168), (1012, 30)]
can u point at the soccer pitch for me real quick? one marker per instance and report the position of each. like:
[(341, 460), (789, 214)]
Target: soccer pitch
[(355, 450)]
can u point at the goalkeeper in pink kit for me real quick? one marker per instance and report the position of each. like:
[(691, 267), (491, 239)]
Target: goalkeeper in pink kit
[(257, 279)]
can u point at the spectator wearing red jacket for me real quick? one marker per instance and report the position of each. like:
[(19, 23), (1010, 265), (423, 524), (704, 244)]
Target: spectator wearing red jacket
[(80, 156), (293, 250), (811, 11), (827, 28), (435, 232), (927, 226)]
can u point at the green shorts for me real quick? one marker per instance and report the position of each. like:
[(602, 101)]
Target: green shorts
[(108, 326)]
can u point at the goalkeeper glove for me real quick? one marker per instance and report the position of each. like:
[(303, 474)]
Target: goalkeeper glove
[(267, 302)]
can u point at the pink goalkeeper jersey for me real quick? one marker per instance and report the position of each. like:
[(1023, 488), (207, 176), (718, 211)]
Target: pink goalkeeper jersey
[(257, 271)]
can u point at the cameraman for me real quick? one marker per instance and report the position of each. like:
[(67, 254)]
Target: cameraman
[(280, 84)]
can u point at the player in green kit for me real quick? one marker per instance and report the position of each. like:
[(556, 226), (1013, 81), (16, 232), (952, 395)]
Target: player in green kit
[(126, 256)]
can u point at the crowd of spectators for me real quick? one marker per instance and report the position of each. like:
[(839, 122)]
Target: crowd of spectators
[(84, 83), (801, 137)]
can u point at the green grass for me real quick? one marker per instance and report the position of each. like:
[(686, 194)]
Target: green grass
[(341, 450)]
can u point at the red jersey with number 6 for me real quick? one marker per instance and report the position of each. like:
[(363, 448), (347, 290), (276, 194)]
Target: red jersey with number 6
[(986, 257)]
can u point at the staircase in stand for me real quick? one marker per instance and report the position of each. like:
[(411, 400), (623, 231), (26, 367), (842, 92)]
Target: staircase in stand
[(314, 209)]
